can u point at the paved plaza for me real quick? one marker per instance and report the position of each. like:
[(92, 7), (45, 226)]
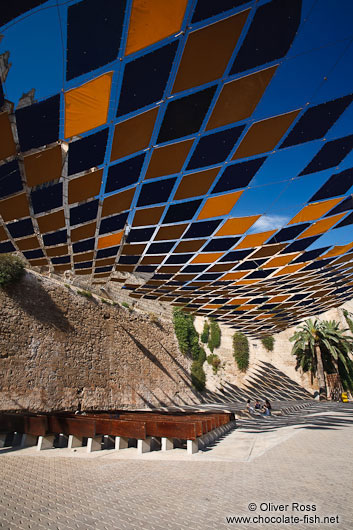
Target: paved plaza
[(305, 458)]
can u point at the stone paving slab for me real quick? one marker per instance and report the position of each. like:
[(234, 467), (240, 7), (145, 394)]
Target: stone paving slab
[(309, 461)]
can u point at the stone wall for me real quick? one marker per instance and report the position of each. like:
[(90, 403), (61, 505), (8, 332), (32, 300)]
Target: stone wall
[(59, 350)]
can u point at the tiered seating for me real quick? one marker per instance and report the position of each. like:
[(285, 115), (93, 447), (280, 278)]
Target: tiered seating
[(197, 428)]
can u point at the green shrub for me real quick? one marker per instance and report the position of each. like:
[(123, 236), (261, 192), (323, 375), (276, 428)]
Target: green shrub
[(185, 332), (86, 294), (241, 351), (125, 304), (198, 376), (67, 286), (205, 332), (202, 355), (11, 269), (268, 342), (214, 340), (105, 301), (214, 361)]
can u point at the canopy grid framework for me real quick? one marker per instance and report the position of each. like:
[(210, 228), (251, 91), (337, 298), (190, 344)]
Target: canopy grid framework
[(203, 146)]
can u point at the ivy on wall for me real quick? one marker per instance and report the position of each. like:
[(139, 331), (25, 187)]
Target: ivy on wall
[(241, 351)]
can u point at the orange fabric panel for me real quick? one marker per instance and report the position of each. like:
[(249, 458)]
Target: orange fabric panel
[(221, 205), (57, 251), (43, 166), (86, 107), (152, 21), (246, 92), (168, 159), (246, 307), (234, 275), (255, 240), (27, 244), (7, 144), (133, 250), (279, 261), (51, 222), (313, 211), (189, 246), (196, 184), (278, 299), (337, 251), (268, 250), (237, 301), (111, 240), (291, 268), (85, 187), (148, 216), (207, 52), (166, 233), (3, 234), (86, 256), (14, 207), (322, 226), (133, 135), (238, 225), (65, 267), (212, 306), (118, 202), (264, 135), (246, 282), (83, 232), (207, 258), (39, 262)]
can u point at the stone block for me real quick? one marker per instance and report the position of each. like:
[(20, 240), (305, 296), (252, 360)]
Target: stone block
[(74, 441), (121, 443), (167, 444), (94, 444), (192, 446), (143, 446), (45, 442)]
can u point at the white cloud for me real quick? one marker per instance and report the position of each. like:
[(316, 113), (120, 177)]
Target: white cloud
[(269, 222)]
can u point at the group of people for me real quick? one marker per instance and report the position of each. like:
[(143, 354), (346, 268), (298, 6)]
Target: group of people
[(260, 408)]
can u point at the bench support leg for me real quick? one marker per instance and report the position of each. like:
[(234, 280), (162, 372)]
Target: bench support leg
[(121, 443), (45, 442), (143, 446), (28, 440), (74, 441), (167, 444), (94, 444), (192, 446)]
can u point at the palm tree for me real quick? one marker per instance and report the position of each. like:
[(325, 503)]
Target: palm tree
[(318, 339)]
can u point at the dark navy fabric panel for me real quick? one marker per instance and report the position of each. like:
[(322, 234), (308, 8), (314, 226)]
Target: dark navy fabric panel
[(209, 8), (185, 115), (14, 9), (87, 152), (107, 252), (55, 238), (309, 255), (93, 34), (124, 174), (34, 254), (221, 243), (45, 199), (146, 268), (214, 148), (316, 121), (129, 260), (145, 79), (83, 246), (288, 233), (83, 265), (114, 223), (299, 245), (270, 35), (177, 259), (60, 260), (21, 228), (331, 154), (238, 175), (346, 221), (84, 212), (103, 269), (260, 274), (38, 124), (10, 178), (181, 212), (156, 192), (237, 255), (336, 185), (7, 246), (201, 229), (140, 234), (160, 248)]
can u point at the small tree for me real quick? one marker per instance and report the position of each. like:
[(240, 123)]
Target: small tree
[(241, 351), (205, 332), (198, 376), (268, 343), (11, 269), (214, 340)]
